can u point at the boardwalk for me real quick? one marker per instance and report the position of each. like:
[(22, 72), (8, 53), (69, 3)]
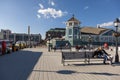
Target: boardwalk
[(38, 64)]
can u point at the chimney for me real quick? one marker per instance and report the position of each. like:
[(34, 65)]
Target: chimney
[(98, 26)]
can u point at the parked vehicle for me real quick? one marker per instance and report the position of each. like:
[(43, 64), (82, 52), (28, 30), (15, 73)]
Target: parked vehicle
[(20, 45), (8, 46), (0, 47), (17, 47), (24, 45)]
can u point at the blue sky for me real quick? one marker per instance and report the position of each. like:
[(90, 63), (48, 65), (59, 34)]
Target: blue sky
[(42, 15)]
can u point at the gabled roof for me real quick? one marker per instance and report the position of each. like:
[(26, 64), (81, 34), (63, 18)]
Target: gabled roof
[(93, 30), (73, 19)]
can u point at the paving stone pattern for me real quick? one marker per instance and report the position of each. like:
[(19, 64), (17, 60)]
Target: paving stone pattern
[(39, 64)]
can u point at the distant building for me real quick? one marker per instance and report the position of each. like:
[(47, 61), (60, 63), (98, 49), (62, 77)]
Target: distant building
[(7, 34), (55, 33), (24, 37), (77, 35), (1, 35), (94, 35), (97, 36)]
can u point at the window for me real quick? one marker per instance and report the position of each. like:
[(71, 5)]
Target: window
[(108, 33), (70, 36), (76, 24), (75, 37), (75, 31), (70, 24), (70, 31)]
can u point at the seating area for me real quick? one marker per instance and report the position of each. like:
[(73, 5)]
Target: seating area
[(73, 57), (83, 56)]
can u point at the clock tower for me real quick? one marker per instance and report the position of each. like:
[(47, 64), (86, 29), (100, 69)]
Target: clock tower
[(73, 31)]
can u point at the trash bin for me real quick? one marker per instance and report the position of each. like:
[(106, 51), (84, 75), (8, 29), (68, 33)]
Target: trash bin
[(3, 47)]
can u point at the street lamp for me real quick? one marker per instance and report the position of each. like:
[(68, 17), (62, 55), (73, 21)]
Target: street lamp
[(49, 43), (116, 24)]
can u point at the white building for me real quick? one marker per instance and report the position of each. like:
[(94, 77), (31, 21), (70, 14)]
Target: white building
[(1, 35), (7, 34)]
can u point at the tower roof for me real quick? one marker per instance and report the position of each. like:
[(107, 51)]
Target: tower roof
[(73, 19)]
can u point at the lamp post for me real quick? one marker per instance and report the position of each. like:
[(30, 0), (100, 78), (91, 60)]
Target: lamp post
[(29, 36), (49, 43), (116, 24)]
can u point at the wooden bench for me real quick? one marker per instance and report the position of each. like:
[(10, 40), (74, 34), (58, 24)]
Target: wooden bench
[(91, 58), (84, 56), (75, 57)]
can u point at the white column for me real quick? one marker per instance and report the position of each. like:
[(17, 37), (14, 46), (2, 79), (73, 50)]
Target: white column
[(29, 35)]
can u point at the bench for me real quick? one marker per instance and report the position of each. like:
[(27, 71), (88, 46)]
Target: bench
[(74, 57), (84, 56), (91, 58)]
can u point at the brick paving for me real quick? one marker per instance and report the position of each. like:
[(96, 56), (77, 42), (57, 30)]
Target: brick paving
[(39, 64)]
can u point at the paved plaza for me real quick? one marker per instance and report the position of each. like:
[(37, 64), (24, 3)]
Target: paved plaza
[(39, 64)]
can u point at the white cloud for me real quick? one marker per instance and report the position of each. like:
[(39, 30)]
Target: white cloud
[(51, 12), (106, 24), (41, 6), (38, 16), (52, 3), (86, 7)]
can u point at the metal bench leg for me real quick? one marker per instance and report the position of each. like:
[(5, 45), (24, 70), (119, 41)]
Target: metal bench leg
[(63, 63), (88, 60), (85, 60), (111, 59)]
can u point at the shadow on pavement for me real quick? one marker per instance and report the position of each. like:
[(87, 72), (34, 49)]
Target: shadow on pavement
[(66, 72), (94, 73), (18, 65), (70, 72), (116, 64), (100, 73)]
